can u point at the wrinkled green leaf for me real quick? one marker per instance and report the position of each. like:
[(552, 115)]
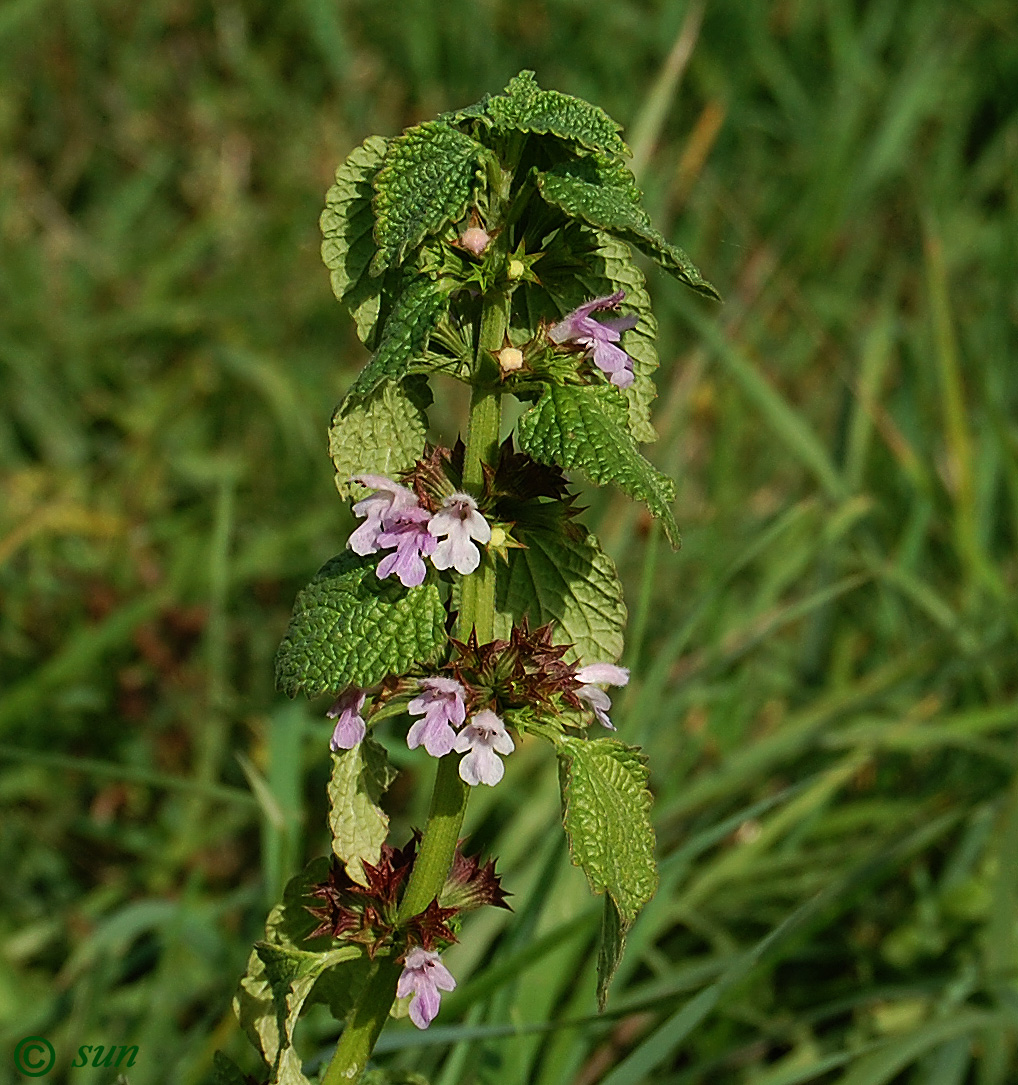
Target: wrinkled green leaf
[(282, 977), (415, 312), (585, 426), (477, 111), (611, 948), (594, 264), (425, 182), (359, 826), (564, 577), (606, 813), (351, 629), (347, 225), (382, 434), (615, 258), (605, 196), (526, 107), (291, 974)]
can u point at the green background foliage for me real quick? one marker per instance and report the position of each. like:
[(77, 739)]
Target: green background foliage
[(824, 676)]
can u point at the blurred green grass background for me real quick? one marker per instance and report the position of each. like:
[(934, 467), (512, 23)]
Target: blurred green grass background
[(824, 677)]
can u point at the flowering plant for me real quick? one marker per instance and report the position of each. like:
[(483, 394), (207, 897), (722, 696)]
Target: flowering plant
[(469, 602)]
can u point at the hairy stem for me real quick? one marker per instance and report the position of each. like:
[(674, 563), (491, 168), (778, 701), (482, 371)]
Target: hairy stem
[(449, 798), (364, 1026), (477, 611)]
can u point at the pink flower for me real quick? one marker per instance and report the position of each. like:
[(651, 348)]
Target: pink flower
[(407, 531), (608, 674), (474, 240), (389, 498), (482, 740), (395, 518), (599, 337), (424, 976), (443, 708), (346, 711), (456, 524)]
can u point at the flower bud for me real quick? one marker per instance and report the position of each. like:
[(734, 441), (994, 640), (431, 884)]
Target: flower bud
[(474, 240), (515, 270), (510, 359)]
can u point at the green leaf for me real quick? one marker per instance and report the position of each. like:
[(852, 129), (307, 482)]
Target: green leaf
[(425, 182), (226, 1072), (382, 434), (564, 577), (351, 629), (605, 196), (594, 264), (385, 1076), (606, 813), (415, 312), (526, 107), (615, 257), (585, 426), (475, 112), (291, 974), (359, 826), (282, 978), (613, 945), (347, 225)]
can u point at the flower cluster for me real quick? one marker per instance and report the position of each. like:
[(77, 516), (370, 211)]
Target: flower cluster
[(367, 914), (442, 706), (396, 520), (457, 710), (598, 338)]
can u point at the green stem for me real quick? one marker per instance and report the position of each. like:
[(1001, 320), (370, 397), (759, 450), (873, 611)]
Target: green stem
[(364, 1026), (449, 798)]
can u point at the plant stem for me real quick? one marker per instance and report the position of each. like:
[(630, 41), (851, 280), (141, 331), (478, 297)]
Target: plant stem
[(477, 591), (364, 1026), (449, 798), (476, 612)]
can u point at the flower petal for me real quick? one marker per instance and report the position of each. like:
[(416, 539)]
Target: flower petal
[(348, 732), (622, 324), (610, 674), (442, 977), (424, 1006), (503, 743), (477, 527), (481, 766), (615, 362)]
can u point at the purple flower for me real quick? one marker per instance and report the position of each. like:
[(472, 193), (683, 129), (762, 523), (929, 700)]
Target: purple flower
[(606, 674), (406, 530), (424, 976), (443, 708), (481, 741), (346, 711), (599, 337), (389, 498), (456, 524)]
